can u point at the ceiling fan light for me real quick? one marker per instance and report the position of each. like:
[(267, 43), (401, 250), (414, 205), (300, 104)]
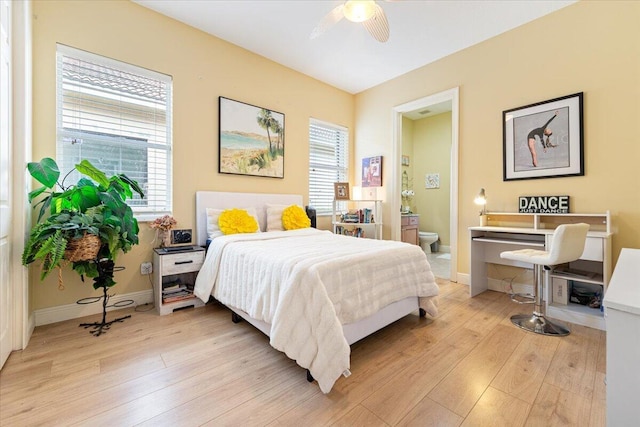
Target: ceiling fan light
[(359, 10)]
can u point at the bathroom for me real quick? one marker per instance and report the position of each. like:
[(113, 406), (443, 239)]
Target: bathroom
[(426, 179)]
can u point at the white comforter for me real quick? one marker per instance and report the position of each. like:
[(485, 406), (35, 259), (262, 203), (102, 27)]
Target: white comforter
[(307, 283)]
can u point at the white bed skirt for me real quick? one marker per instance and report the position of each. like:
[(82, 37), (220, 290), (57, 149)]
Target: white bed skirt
[(354, 332)]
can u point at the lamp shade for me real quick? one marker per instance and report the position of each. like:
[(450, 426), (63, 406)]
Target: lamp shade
[(481, 199)]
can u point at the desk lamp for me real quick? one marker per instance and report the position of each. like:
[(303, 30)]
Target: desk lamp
[(481, 199)]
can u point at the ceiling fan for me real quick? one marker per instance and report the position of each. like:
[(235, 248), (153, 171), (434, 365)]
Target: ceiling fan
[(368, 12)]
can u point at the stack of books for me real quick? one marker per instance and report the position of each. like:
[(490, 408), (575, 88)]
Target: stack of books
[(351, 217), (354, 216), (366, 216), (355, 232), (176, 292)]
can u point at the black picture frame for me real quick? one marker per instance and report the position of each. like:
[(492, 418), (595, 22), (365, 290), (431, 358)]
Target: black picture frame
[(544, 140), (250, 139)]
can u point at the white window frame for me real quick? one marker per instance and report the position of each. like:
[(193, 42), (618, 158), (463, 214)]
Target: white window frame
[(322, 137), (153, 137)]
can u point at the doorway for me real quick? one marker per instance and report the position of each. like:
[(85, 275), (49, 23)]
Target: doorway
[(448, 100), (15, 150)]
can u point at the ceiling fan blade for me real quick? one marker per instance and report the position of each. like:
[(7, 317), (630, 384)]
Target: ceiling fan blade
[(331, 19), (377, 25)]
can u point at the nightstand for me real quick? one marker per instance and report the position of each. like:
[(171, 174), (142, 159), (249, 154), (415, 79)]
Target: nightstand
[(174, 275)]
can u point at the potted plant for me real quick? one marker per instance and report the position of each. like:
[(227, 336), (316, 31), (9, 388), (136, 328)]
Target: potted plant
[(93, 211), (48, 240), (89, 223)]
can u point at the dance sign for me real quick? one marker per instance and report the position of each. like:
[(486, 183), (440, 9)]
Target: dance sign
[(543, 204)]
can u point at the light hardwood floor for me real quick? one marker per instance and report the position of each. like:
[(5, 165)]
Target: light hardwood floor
[(469, 367)]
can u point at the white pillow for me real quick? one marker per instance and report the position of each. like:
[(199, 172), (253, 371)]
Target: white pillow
[(274, 217), (213, 229)]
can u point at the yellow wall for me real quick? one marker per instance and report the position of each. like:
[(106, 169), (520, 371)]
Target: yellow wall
[(591, 47), (432, 154), (203, 68)]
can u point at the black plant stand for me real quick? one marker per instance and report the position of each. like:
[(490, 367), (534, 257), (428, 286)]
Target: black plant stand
[(104, 279)]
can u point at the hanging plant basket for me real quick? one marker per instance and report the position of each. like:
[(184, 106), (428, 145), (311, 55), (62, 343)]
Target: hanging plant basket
[(84, 249)]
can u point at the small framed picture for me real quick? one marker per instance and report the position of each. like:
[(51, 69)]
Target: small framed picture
[(372, 171), (181, 237), (341, 190), (432, 180), (405, 160)]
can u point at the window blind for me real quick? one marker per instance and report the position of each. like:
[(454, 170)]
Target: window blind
[(117, 116), (328, 163)]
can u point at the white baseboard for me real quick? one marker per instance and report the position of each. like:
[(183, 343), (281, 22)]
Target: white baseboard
[(463, 278), (32, 327), (49, 315), (59, 313)]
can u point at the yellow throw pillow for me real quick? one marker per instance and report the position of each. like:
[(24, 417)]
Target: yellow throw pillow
[(234, 221), (294, 217)]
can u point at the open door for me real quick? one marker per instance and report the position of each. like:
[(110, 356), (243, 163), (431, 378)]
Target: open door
[(6, 298)]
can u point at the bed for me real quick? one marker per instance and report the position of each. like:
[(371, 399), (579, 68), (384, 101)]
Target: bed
[(311, 292)]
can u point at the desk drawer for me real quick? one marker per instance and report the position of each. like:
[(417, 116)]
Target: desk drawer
[(182, 262), (593, 249)]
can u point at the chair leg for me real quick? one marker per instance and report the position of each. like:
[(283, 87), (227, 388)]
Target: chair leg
[(537, 322)]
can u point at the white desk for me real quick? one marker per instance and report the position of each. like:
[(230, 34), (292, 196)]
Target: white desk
[(487, 242), (622, 315)]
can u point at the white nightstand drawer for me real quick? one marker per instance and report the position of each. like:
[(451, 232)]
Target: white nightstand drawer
[(182, 262)]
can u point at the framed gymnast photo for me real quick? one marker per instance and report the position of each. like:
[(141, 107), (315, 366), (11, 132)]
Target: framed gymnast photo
[(544, 140)]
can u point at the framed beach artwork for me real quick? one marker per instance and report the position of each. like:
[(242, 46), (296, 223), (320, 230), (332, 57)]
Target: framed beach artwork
[(544, 140), (251, 140), (372, 171)]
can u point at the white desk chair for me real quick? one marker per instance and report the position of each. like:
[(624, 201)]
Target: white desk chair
[(567, 245)]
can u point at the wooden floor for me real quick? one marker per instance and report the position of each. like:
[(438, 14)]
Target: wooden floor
[(469, 367)]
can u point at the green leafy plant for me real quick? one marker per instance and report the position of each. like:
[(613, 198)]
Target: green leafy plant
[(95, 205), (48, 239)]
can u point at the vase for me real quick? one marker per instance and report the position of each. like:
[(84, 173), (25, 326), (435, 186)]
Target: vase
[(164, 238)]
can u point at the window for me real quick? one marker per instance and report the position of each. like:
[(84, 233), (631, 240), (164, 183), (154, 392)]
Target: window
[(328, 163), (117, 116)]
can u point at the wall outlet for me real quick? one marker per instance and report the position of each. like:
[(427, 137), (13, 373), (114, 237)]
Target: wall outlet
[(146, 268)]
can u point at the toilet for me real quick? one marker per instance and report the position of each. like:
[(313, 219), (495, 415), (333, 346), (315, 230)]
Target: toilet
[(426, 239)]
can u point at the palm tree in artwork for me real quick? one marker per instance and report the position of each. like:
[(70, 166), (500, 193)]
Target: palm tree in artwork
[(265, 121), (276, 128)]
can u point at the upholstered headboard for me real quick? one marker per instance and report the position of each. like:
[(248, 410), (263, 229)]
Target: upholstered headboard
[(222, 200)]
